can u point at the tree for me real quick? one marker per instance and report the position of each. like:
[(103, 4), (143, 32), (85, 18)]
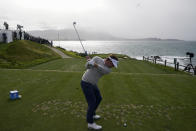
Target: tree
[(19, 27), (6, 25)]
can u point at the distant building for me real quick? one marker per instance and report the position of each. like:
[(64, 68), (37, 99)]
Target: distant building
[(6, 36)]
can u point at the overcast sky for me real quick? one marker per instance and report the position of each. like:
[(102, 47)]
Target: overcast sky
[(124, 18)]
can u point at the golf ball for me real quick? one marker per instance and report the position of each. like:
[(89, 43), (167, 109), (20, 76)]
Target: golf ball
[(20, 96), (125, 124)]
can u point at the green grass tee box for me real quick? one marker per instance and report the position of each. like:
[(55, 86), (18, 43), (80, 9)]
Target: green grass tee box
[(143, 95)]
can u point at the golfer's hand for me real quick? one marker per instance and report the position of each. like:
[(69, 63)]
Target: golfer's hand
[(88, 57), (95, 65)]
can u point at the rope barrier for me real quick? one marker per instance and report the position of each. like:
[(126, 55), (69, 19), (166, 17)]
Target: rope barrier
[(163, 61)]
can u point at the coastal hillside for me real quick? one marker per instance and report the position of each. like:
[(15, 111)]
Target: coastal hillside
[(24, 53), (138, 95)]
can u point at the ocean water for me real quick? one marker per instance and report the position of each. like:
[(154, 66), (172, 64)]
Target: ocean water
[(137, 49)]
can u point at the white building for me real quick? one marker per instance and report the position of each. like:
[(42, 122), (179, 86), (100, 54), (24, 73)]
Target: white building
[(6, 36)]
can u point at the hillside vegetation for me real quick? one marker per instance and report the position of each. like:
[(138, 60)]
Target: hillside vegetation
[(24, 53)]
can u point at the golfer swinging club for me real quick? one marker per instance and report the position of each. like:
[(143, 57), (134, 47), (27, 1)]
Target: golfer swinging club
[(96, 68)]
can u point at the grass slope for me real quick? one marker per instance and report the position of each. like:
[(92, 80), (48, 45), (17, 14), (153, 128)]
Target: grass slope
[(82, 55), (23, 53), (125, 66), (145, 96), (69, 53)]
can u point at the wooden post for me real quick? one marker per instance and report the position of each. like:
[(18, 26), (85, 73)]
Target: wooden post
[(177, 66), (143, 58), (195, 70), (175, 60), (165, 63)]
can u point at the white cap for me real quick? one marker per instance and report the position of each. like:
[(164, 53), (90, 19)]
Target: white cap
[(115, 62), (14, 91)]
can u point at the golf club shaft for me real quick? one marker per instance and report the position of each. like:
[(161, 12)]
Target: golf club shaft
[(79, 38)]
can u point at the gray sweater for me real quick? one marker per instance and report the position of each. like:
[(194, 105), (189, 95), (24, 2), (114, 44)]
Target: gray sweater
[(93, 74)]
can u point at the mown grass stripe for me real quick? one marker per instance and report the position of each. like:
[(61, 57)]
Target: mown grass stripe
[(118, 73)]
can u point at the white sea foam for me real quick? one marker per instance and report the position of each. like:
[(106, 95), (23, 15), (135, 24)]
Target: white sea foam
[(167, 50)]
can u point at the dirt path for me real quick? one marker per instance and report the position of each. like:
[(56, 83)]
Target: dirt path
[(58, 52)]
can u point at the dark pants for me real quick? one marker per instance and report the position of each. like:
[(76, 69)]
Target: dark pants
[(93, 98)]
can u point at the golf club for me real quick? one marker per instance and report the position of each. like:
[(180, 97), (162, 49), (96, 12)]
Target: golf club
[(74, 23)]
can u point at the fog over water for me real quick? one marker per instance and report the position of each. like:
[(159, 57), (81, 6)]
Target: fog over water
[(123, 18)]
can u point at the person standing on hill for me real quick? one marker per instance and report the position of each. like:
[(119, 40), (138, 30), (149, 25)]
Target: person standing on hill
[(96, 68)]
